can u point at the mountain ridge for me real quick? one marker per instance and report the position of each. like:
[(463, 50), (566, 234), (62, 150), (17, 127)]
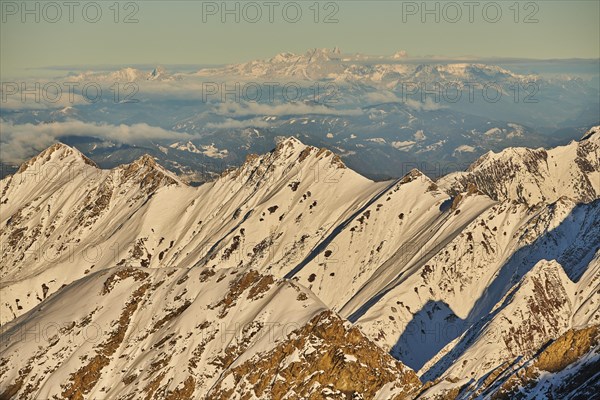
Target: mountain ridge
[(399, 259)]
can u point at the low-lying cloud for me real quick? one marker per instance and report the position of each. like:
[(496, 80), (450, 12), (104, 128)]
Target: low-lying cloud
[(22, 141)]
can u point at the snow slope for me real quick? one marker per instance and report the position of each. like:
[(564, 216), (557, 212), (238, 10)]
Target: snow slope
[(173, 333)]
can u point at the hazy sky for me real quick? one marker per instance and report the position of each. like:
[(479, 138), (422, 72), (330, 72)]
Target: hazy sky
[(192, 32)]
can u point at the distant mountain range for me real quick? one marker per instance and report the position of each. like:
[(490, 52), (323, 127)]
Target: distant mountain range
[(383, 115)]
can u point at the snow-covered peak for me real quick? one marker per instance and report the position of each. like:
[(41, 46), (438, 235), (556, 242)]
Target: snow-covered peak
[(127, 74), (466, 72), (312, 55), (148, 173), (283, 57), (289, 141), (312, 65), (325, 53), (414, 174), (157, 73), (289, 158), (146, 160), (292, 145), (58, 154)]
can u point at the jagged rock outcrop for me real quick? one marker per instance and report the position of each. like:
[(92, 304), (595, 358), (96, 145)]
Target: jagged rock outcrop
[(325, 358)]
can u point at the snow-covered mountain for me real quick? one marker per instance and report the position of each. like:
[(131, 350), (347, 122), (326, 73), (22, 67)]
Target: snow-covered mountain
[(125, 75), (294, 276), (330, 64), (313, 65)]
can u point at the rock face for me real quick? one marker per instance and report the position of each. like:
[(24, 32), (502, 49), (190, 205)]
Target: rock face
[(294, 277), (566, 368), (326, 357)]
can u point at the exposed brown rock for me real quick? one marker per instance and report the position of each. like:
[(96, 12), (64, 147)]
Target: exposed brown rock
[(555, 357), (121, 274), (343, 360)]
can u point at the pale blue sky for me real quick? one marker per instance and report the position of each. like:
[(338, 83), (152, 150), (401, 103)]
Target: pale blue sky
[(173, 32)]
